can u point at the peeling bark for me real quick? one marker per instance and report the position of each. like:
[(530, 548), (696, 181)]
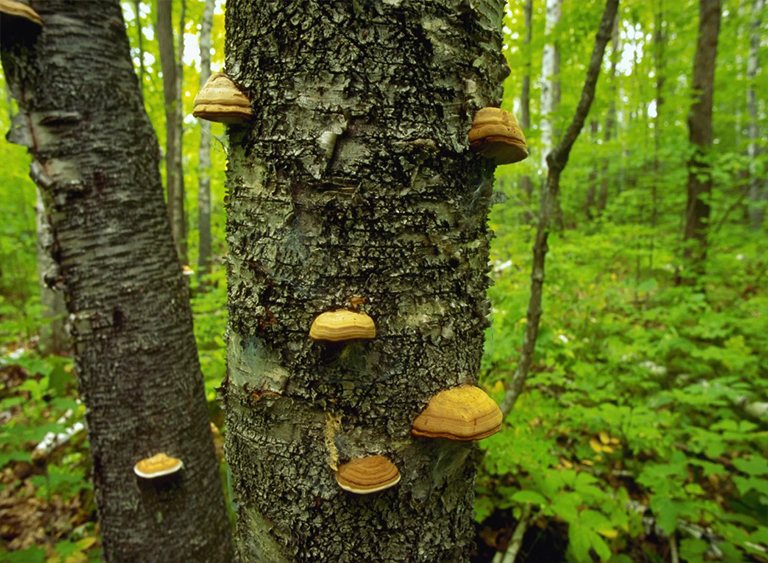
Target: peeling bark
[(53, 337), (356, 180), (95, 161)]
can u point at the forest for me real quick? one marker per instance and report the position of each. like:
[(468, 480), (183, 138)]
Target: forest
[(307, 310)]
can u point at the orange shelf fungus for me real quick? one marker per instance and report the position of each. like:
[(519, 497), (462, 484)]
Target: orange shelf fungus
[(462, 413), (222, 101), (19, 9), (336, 326), (495, 135), (367, 475), (157, 466)]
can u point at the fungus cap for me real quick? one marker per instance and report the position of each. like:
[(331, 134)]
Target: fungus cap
[(367, 475), (462, 413), (157, 466), (496, 135), (19, 9), (342, 325), (222, 101)]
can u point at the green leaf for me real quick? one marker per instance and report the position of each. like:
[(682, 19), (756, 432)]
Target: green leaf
[(529, 496)]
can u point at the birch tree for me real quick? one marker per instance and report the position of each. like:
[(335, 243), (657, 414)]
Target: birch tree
[(95, 160), (204, 154), (355, 186)]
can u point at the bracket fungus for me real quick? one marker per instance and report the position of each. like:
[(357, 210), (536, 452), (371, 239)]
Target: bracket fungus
[(19, 9), (157, 466), (367, 475), (336, 326), (222, 101), (462, 413), (496, 135)]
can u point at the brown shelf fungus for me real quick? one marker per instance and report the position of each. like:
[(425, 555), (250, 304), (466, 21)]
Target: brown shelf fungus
[(222, 101), (462, 413), (157, 466), (336, 326), (367, 475), (19, 9), (496, 135)]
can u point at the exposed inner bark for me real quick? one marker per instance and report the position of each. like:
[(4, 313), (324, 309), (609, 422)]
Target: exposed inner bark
[(355, 180), (95, 161)]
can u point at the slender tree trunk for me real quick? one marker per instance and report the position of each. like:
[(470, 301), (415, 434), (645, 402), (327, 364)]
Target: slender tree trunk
[(53, 336), (758, 194), (174, 177), (95, 162), (556, 163), (700, 134), (594, 127), (660, 64), (356, 180), (140, 34), (204, 155), (610, 119), (548, 79), (550, 91), (179, 225), (526, 186)]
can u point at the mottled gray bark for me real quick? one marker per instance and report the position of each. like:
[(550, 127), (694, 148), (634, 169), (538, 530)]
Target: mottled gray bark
[(700, 134), (526, 185), (356, 180), (204, 154), (758, 189), (95, 161), (174, 173), (556, 163), (53, 337)]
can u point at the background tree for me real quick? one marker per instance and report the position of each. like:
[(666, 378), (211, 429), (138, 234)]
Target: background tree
[(95, 162), (174, 126), (700, 133), (758, 192), (204, 163)]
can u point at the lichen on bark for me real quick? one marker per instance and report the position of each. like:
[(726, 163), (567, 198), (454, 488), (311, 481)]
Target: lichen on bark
[(355, 180)]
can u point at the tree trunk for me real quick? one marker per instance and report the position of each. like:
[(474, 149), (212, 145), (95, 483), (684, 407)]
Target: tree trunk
[(356, 180), (556, 163), (550, 91), (659, 41), (548, 80), (610, 119), (758, 194), (95, 162), (204, 155), (594, 127), (174, 174), (700, 135), (526, 186), (53, 336)]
